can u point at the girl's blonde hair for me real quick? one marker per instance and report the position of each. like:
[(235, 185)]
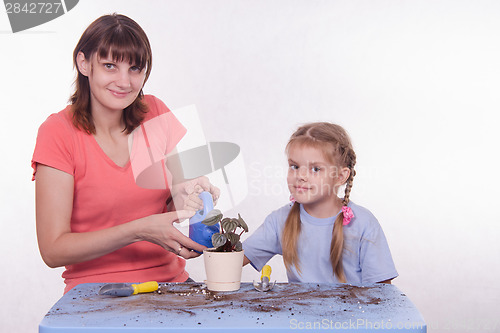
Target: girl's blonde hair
[(336, 145)]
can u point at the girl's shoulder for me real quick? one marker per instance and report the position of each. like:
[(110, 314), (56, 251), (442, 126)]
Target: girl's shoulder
[(361, 212), (279, 215), (363, 222), (283, 210)]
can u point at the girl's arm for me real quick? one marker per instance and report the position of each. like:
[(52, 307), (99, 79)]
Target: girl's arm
[(246, 261), (59, 246)]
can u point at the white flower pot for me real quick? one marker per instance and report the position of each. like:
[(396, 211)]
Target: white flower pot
[(223, 270)]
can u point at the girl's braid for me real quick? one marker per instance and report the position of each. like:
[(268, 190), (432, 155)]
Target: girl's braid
[(351, 161)]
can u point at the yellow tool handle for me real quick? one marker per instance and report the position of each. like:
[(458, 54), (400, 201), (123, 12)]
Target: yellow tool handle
[(266, 272), (145, 287)]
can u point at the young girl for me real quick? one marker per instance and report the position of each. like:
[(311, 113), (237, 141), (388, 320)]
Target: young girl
[(91, 215), (322, 237)]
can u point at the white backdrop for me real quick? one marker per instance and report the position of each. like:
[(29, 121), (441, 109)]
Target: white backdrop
[(416, 83)]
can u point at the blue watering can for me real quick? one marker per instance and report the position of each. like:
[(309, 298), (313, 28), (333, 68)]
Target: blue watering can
[(198, 231)]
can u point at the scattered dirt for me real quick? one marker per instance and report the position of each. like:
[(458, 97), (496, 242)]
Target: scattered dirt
[(285, 297), (191, 299)]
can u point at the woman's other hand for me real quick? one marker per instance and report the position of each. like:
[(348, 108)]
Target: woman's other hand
[(185, 195)]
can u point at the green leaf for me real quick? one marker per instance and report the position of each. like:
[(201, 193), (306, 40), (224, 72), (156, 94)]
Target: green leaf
[(242, 223), (218, 239), (238, 247), (233, 238), (229, 225), (213, 217)]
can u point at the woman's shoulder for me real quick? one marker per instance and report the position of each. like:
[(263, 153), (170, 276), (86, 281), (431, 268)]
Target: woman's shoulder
[(155, 106), (60, 122), (150, 99)]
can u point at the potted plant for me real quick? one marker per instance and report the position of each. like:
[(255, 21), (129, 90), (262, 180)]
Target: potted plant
[(224, 262)]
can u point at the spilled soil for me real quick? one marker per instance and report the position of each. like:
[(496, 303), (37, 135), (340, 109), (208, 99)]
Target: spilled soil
[(190, 300)]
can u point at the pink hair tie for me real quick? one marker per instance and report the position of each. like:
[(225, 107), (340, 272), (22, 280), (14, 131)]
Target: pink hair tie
[(348, 215), (292, 199)]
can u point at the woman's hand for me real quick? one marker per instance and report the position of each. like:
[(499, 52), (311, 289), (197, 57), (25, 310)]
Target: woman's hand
[(185, 195), (159, 229)]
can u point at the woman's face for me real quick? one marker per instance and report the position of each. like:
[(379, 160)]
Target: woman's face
[(114, 85)]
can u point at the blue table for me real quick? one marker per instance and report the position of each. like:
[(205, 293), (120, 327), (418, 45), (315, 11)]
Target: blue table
[(190, 307)]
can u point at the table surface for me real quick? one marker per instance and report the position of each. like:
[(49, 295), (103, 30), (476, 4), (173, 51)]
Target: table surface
[(191, 307)]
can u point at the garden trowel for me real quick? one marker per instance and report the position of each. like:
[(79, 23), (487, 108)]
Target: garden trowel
[(264, 284), (127, 289)]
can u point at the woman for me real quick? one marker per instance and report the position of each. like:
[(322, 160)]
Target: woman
[(91, 215)]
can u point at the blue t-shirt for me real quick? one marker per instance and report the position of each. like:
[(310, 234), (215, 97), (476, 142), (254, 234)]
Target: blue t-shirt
[(366, 256)]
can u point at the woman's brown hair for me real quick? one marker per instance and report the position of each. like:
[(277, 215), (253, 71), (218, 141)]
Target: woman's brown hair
[(336, 145), (123, 39)]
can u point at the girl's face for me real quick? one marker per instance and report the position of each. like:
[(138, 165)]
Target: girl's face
[(312, 179), (114, 85)]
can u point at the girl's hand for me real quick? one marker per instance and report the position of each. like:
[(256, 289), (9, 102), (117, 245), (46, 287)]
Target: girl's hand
[(159, 229), (185, 195)]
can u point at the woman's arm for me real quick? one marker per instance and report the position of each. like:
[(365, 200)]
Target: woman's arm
[(59, 246)]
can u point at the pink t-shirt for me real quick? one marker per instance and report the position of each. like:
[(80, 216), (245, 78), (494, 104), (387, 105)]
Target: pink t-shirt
[(107, 195)]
